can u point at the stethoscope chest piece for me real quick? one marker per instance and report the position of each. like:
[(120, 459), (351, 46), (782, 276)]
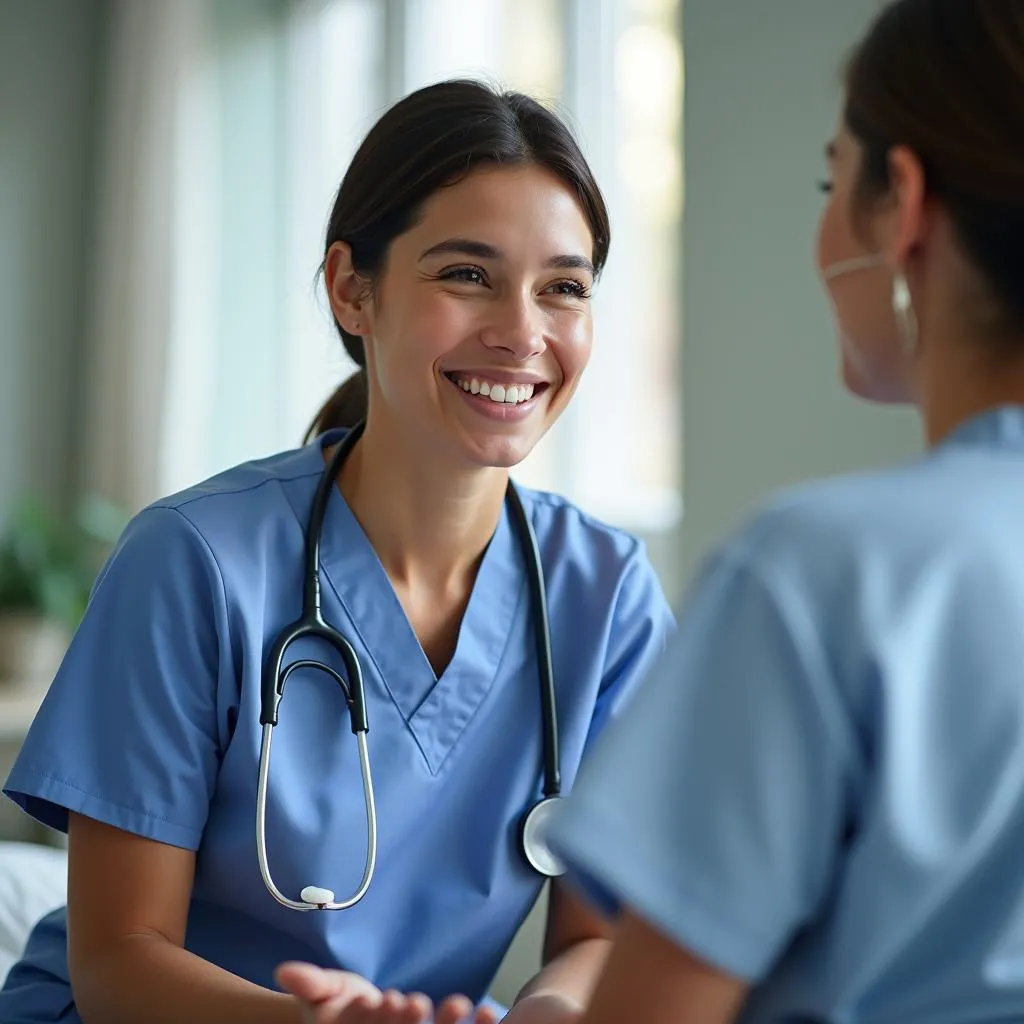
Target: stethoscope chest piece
[(533, 838)]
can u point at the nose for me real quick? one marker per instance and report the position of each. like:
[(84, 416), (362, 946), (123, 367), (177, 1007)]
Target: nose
[(516, 326)]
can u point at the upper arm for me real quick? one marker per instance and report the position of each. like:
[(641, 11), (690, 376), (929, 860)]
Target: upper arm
[(122, 885), (125, 749), (715, 807), (131, 730)]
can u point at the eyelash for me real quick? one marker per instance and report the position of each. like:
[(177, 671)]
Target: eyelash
[(825, 186), (577, 289)]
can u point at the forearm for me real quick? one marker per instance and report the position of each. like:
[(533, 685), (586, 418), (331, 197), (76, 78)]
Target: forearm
[(572, 975), (145, 977)]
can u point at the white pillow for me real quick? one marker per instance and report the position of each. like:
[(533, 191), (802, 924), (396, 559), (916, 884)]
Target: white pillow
[(33, 881)]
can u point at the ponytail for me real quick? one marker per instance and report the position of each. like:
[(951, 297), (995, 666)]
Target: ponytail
[(345, 408)]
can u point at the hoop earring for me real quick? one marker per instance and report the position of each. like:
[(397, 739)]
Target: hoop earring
[(906, 319)]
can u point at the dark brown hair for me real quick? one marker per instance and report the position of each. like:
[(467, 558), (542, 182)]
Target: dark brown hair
[(946, 79), (428, 140)]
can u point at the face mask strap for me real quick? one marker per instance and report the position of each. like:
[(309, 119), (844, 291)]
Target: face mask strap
[(849, 266), (902, 301)]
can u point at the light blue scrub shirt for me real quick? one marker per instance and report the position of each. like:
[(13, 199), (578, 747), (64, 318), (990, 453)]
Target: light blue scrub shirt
[(152, 725), (821, 789)]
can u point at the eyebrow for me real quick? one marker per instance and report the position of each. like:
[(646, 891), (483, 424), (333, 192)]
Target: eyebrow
[(830, 151), (485, 251)]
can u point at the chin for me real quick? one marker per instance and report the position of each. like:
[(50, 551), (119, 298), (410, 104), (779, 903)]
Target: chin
[(499, 452), (878, 389)]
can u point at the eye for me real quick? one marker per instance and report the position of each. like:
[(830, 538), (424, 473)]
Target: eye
[(825, 186), (571, 288), (467, 275)]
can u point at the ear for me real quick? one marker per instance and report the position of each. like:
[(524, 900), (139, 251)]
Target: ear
[(346, 290), (908, 220)]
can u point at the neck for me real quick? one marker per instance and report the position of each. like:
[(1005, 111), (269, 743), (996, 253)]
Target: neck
[(970, 378), (428, 523)]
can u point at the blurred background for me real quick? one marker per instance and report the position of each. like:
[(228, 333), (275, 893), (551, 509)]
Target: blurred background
[(166, 171)]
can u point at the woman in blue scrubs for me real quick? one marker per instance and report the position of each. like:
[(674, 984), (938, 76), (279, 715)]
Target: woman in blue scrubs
[(814, 810), (459, 262)]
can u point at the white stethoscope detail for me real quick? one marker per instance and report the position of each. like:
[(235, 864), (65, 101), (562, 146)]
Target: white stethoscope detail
[(311, 624)]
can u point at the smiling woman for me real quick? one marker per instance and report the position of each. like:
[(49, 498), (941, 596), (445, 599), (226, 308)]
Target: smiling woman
[(508, 288), (459, 260)]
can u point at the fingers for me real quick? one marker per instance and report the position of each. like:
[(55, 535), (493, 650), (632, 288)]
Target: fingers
[(454, 1010), (337, 997), (307, 982), (422, 1006), (389, 1008)]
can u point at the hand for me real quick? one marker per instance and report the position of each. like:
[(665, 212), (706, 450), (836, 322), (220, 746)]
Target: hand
[(340, 997), (544, 1009)]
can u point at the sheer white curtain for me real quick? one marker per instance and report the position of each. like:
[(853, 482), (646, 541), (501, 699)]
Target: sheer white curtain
[(147, 255), (228, 129)]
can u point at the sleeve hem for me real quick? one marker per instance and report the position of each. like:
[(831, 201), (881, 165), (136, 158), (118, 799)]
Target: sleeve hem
[(672, 901), (49, 799)]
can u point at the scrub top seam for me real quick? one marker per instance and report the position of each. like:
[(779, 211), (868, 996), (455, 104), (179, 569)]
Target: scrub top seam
[(183, 501), (11, 789), (213, 555)]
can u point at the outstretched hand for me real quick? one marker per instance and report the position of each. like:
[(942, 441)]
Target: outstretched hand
[(340, 997)]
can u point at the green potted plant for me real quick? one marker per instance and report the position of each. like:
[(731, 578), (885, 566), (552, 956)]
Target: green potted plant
[(48, 564)]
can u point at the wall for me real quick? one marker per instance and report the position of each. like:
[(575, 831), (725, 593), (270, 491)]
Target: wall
[(49, 74), (762, 403), (50, 64)]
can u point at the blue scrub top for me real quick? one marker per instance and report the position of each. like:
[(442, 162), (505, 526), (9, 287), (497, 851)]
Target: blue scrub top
[(152, 725), (821, 790)]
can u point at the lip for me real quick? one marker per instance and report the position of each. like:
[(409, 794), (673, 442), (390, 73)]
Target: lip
[(502, 412), (499, 376)]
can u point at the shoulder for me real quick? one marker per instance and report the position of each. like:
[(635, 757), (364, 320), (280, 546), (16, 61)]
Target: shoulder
[(573, 541), (835, 530), (842, 568), (251, 490), (599, 575), (205, 532)]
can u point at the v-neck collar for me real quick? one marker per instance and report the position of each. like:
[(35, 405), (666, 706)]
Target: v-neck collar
[(436, 710)]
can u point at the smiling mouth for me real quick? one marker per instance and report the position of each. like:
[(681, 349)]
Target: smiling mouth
[(497, 392)]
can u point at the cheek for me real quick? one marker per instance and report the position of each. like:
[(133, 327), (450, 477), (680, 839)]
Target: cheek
[(415, 334), (573, 341), (830, 236)]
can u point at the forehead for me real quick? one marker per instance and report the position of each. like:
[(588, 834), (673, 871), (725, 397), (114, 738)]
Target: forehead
[(522, 208), (842, 146)]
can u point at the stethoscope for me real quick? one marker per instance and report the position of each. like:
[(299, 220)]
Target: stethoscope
[(311, 624)]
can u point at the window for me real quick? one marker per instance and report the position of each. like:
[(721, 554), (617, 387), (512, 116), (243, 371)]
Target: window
[(295, 103), (615, 68)]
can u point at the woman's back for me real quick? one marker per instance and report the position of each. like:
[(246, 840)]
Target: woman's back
[(842, 816), (824, 781), (912, 582)]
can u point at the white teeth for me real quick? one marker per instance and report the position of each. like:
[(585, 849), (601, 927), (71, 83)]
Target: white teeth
[(510, 394)]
